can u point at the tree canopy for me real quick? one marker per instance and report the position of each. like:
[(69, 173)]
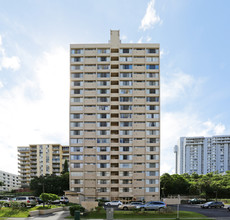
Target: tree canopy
[(210, 185), (50, 184)]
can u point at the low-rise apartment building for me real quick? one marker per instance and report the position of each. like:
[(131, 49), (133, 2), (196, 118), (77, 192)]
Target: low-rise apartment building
[(10, 181)]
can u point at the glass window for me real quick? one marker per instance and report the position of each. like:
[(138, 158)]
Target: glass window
[(103, 50), (126, 124), (103, 67), (76, 59), (103, 75), (126, 59), (76, 140), (125, 67), (124, 75), (126, 107), (152, 67), (152, 99), (103, 107), (125, 115), (102, 99), (125, 50), (152, 50), (76, 75), (152, 59), (126, 99), (126, 83)]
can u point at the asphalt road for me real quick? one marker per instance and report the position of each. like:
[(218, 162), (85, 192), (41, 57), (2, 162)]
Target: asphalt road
[(219, 213)]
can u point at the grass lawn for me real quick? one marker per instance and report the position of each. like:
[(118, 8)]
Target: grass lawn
[(144, 215), (20, 213)]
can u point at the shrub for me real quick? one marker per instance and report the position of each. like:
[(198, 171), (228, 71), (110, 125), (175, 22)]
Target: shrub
[(1, 204), (15, 205), (98, 208), (74, 208)]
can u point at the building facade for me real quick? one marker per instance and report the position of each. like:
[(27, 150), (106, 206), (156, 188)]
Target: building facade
[(203, 155), (115, 120), (37, 160), (10, 181)]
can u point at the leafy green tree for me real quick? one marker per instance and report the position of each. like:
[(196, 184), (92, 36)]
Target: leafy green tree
[(50, 184), (47, 198), (65, 168), (1, 183)]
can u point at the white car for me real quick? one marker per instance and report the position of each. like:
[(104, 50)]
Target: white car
[(114, 203)]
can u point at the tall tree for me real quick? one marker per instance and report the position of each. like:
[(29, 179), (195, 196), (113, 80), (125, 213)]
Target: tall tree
[(65, 168)]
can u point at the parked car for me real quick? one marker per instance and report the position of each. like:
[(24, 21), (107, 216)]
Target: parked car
[(39, 200), (212, 204), (130, 205), (26, 201), (64, 200), (228, 208), (114, 203), (6, 201), (153, 205), (195, 201)]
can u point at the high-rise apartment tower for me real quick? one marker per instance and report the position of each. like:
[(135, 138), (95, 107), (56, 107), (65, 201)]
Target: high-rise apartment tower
[(203, 155), (115, 120)]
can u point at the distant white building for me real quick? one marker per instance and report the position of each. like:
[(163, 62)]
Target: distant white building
[(202, 154), (10, 181)]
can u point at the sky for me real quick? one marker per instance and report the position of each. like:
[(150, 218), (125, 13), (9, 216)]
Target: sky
[(34, 65)]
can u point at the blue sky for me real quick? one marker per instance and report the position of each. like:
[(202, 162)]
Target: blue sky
[(34, 65)]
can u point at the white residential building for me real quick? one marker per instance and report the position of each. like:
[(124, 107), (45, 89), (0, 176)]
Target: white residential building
[(203, 154), (9, 180)]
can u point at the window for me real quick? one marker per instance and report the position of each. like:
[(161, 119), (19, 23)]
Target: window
[(125, 50), (152, 59), (153, 132), (76, 149), (102, 99), (126, 91), (103, 59), (76, 165), (103, 115), (76, 75), (126, 165), (152, 75), (126, 107), (76, 132), (76, 67), (125, 157), (151, 189), (152, 173), (103, 165), (126, 132), (103, 50), (76, 124), (103, 75), (152, 181), (103, 124), (76, 116), (76, 140), (126, 140), (126, 124), (125, 115), (126, 99), (76, 157), (152, 99), (152, 107), (126, 149), (103, 91), (103, 67), (152, 50), (152, 91), (103, 83), (126, 83), (153, 124), (76, 59), (102, 149), (152, 67), (76, 51), (152, 115), (76, 91), (76, 99), (126, 59), (126, 75), (103, 140), (152, 165), (103, 157), (152, 157), (103, 107), (125, 67)]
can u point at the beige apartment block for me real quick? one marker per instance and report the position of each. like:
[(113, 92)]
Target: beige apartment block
[(9, 180), (37, 160), (115, 120)]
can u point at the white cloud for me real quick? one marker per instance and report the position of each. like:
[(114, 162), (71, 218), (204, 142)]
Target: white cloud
[(148, 39), (1, 85), (36, 111), (177, 85), (150, 18), (140, 40), (8, 62)]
